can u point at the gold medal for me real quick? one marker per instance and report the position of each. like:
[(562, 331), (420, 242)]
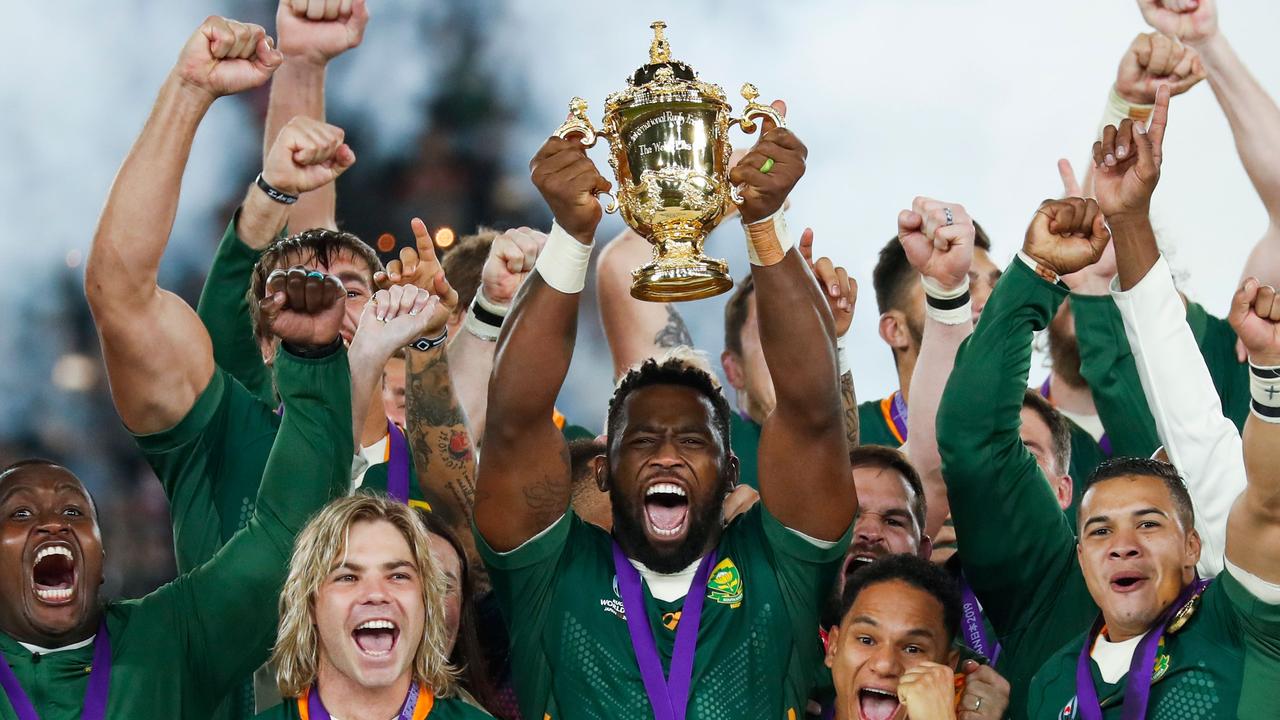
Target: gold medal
[(1180, 618)]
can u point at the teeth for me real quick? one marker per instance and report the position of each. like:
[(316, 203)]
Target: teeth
[(55, 595), (376, 625), (667, 488), (877, 691), (48, 550), (667, 533)]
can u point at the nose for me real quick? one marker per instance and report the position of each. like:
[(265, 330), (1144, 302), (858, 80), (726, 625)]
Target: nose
[(868, 530), (885, 662), (666, 453), (1123, 546)]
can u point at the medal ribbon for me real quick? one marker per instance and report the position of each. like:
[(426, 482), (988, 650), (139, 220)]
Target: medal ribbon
[(976, 636), (669, 695), (417, 704), (95, 695), (397, 464), (1104, 442), (894, 409), (1137, 686)]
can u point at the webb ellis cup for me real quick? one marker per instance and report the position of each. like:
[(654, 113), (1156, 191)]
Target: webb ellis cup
[(669, 148)]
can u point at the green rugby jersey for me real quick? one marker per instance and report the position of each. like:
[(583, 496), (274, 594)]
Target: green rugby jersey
[(744, 439), (874, 426), (1200, 673), (451, 708), (179, 650), (571, 653)]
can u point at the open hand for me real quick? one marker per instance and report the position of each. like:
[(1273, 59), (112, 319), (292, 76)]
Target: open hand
[(224, 57), (764, 193), (840, 290), (937, 247), (304, 308), (307, 154), (1127, 163), (316, 31), (1067, 235)]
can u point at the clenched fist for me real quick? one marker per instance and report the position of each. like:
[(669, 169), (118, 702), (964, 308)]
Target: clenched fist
[(1191, 21), (1152, 60), (316, 31), (1067, 235), (782, 153), (1127, 162), (569, 182), (304, 308), (225, 57), (511, 258), (307, 154), (1255, 316), (937, 246), (927, 691)]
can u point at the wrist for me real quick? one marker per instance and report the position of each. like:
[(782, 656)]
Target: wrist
[(312, 352), (1039, 266), (274, 179), (188, 94), (485, 317), (949, 306), (430, 341), (564, 260), (260, 219), (1264, 386), (1211, 42), (768, 240), (1129, 221)]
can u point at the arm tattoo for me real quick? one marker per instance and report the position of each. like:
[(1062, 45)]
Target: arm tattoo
[(849, 403), (438, 437), (675, 332)]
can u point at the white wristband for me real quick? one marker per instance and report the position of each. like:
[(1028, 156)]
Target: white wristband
[(842, 357), (768, 240), (482, 323), (1264, 389), (563, 261), (1044, 272), (1118, 109), (947, 306)]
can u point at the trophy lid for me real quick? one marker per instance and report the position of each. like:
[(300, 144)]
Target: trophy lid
[(659, 58)]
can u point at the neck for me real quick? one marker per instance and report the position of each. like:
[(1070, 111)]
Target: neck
[(345, 698), (83, 631), (1072, 398), (906, 365), (375, 422), (1118, 634)]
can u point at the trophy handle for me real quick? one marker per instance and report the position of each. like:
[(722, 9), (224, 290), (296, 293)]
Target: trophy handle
[(612, 207), (747, 122), (578, 123)]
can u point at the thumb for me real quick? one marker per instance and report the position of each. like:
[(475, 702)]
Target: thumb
[(969, 667), (767, 123), (909, 222), (266, 56), (806, 245), (1242, 303)]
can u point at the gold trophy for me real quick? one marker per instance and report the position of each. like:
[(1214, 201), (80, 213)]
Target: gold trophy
[(669, 149)]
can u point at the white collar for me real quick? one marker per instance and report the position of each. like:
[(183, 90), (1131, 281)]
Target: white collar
[(1114, 658), (667, 587), (37, 650)]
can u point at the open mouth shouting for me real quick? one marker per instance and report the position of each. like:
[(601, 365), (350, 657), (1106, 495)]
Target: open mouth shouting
[(876, 704), (1127, 581), (376, 638), (53, 573), (666, 511)]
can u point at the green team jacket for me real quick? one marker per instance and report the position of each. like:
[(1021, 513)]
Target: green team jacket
[(756, 650), (1205, 670), (744, 439), (442, 709), (1018, 546), (177, 652)]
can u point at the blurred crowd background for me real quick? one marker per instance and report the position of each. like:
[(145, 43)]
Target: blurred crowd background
[(446, 100)]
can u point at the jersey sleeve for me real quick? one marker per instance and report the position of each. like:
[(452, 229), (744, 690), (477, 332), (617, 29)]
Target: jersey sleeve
[(1013, 537), (224, 310), (1258, 619), (1107, 364), (524, 585), (1217, 343), (226, 609)]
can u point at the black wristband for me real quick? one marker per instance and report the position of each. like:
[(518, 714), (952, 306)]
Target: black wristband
[(424, 344), (488, 318), (952, 304), (312, 352), (279, 196)]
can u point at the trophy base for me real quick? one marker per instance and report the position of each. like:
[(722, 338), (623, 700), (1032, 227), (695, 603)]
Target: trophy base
[(693, 278)]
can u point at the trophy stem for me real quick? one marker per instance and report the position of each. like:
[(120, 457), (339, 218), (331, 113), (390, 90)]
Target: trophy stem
[(679, 270)]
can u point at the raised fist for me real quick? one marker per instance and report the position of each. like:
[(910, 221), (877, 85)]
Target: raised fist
[(1191, 21), (928, 690), (938, 240), (395, 317), (1127, 162), (419, 266), (304, 308), (1152, 60), (224, 57), (1255, 316), (569, 182), (316, 31), (840, 290), (763, 193), (307, 154), (1067, 235), (986, 692), (511, 259)]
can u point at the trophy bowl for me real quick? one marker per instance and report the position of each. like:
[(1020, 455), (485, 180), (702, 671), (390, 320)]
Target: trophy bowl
[(669, 150)]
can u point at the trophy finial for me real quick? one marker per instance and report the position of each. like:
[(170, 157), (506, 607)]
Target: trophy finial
[(749, 92), (659, 50)]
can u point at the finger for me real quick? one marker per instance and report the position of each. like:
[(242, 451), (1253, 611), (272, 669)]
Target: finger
[(1100, 234), (315, 292), (1109, 145), (420, 301), (968, 667), (422, 238), (408, 299), (1070, 185), (295, 286), (275, 282), (1185, 66), (767, 123), (408, 262), (315, 10), (394, 295), (842, 289), (393, 271), (1264, 304), (1159, 121), (1145, 149), (909, 222), (1062, 221), (266, 56), (1141, 49), (825, 272), (331, 8), (1124, 135), (1161, 50), (448, 296), (1088, 221), (381, 281), (806, 245), (1097, 154), (381, 299), (1242, 302)]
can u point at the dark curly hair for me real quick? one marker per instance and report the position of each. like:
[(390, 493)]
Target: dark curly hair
[(672, 371), (914, 571), (1149, 467)]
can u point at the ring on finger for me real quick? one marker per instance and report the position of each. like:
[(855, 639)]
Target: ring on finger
[(977, 703), (950, 219), (767, 166)]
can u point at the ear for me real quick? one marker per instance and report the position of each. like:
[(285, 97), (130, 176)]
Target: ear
[(1063, 487), (926, 547), (1194, 547), (600, 467), (833, 642), (732, 365), (733, 470), (893, 330)]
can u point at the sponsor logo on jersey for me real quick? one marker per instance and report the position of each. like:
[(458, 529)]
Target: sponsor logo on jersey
[(1068, 712), (725, 585), (1162, 664)]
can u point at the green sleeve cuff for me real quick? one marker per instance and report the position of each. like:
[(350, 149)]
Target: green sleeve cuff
[(536, 549), (790, 542)]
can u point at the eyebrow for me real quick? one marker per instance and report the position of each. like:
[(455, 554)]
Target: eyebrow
[(349, 275), (357, 567), (1135, 513), (683, 430), (868, 620)]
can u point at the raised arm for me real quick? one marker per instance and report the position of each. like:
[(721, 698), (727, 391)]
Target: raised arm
[(938, 240), (157, 353), (805, 481), (841, 294), (524, 478), (636, 330)]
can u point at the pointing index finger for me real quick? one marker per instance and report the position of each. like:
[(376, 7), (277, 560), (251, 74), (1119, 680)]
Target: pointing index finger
[(426, 248)]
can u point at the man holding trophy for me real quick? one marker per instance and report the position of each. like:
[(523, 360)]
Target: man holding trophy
[(675, 614)]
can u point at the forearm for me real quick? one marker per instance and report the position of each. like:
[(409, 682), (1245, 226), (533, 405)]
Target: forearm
[(134, 230), (1136, 249), (849, 406), (298, 89), (366, 376), (470, 365), (439, 438), (636, 330), (933, 366), (1253, 115), (532, 358)]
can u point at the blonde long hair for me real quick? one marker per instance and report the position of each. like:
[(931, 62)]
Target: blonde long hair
[(319, 549)]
